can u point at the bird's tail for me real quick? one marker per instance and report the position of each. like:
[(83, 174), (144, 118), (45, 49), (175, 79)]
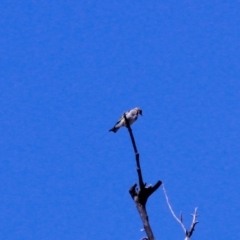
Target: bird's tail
[(114, 129)]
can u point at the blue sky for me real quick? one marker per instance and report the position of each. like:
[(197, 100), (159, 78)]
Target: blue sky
[(68, 72)]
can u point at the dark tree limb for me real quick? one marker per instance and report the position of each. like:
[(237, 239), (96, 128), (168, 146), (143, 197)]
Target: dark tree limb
[(141, 195)]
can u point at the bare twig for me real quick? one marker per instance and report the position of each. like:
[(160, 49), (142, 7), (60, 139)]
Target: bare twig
[(131, 135), (189, 233), (171, 210), (194, 223), (139, 171)]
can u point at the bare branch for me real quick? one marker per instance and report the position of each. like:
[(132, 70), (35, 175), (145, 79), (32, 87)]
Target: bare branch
[(171, 210), (141, 195), (131, 134), (189, 233), (194, 223)]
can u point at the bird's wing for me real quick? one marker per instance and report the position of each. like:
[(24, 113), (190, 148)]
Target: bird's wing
[(122, 117), (131, 113)]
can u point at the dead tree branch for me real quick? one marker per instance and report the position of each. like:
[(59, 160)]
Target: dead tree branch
[(194, 223), (141, 195), (189, 233)]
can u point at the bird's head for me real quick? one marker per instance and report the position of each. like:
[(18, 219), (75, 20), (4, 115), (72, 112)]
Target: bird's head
[(139, 111)]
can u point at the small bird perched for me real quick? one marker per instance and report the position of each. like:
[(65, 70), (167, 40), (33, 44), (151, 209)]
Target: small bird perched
[(131, 116)]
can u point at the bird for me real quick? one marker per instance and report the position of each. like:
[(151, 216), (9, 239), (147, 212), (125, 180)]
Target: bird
[(131, 116)]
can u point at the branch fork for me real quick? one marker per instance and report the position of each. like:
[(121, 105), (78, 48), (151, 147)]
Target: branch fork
[(187, 233), (141, 195)]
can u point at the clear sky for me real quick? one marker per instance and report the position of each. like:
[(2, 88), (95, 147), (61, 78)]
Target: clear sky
[(69, 69)]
